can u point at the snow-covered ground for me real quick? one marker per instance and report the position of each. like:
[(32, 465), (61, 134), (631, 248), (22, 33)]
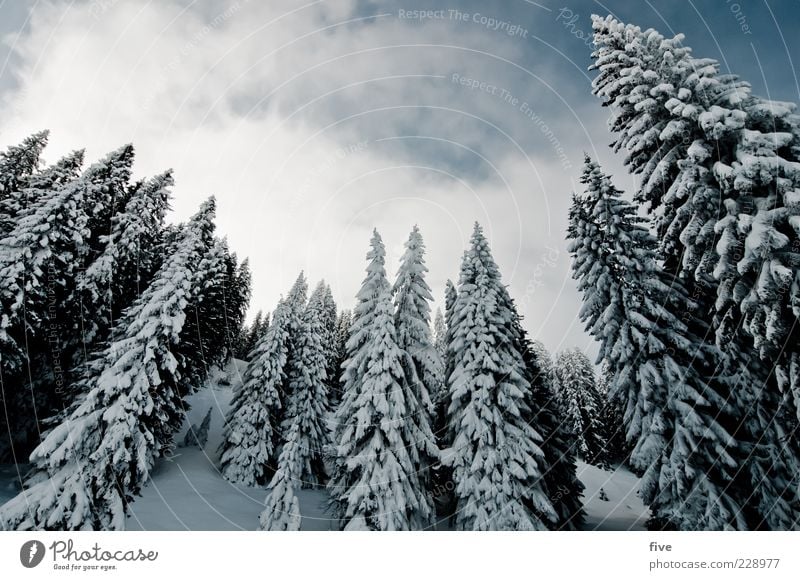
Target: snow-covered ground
[(187, 491)]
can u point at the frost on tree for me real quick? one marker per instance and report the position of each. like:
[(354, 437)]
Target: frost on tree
[(17, 165), (547, 416), (377, 486), (90, 466), (304, 429), (127, 261), (720, 170), (498, 465), (423, 367), (581, 404), (674, 415), (357, 345), (251, 425)]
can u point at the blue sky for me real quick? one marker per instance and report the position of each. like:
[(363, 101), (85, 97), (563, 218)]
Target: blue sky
[(315, 122)]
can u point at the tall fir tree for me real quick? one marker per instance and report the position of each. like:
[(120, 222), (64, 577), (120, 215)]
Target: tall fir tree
[(377, 485), (675, 416), (18, 164), (703, 144), (498, 465), (304, 425), (354, 368), (88, 468), (251, 424), (423, 367)]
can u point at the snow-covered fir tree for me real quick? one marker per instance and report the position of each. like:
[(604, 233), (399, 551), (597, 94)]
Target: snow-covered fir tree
[(424, 370), (617, 449), (90, 466), (377, 484), (581, 403), (354, 368), (282, 508), (498, 465), (440, 334), (673, 414), (545, 362), (304, 426), (251, 424), (38, 267), (703, 145), (564, 488), (343, 322), (127, 262), (18, 164), (250, 335)]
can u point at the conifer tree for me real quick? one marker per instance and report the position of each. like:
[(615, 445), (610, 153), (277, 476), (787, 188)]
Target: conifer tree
[(675, 416), (250, 427), (121, 272), (354, 367), (497, 463), (90, 466), (719, 166), (581, 404), (343, 323), (423, 367), (558, 444), (304, 427), (18, 164), (377, 485)]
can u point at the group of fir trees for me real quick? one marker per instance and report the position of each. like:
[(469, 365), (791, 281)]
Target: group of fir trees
[(696, 311), (462, 410), (110, 318), (277, 429)]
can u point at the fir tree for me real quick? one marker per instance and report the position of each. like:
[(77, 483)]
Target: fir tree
[(558, 444), (703, 143), (377, 486), (581, 403), (90, 466), (354, 368), (18, 164), (498, 466), (121, 272), (249, 435), (282, 510), (423, 367), (673, 414), (617, 449), (304, 428), (343, 323), (250, 336)]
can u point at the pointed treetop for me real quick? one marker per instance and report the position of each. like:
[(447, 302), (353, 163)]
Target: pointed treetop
[(298, 293), (206, 212)]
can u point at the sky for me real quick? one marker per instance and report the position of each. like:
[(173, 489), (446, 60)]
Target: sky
[(313, 122)]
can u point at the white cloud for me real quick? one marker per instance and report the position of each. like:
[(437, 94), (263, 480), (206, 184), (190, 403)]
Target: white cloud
[(305, 121)]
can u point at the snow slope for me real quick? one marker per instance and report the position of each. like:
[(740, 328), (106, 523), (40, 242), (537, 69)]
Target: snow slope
[(624, 509)]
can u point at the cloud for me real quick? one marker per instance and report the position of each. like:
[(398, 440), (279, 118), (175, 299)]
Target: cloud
[(314, 123)]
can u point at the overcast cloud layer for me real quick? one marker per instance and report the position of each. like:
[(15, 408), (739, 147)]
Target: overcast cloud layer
[(313, 123)]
